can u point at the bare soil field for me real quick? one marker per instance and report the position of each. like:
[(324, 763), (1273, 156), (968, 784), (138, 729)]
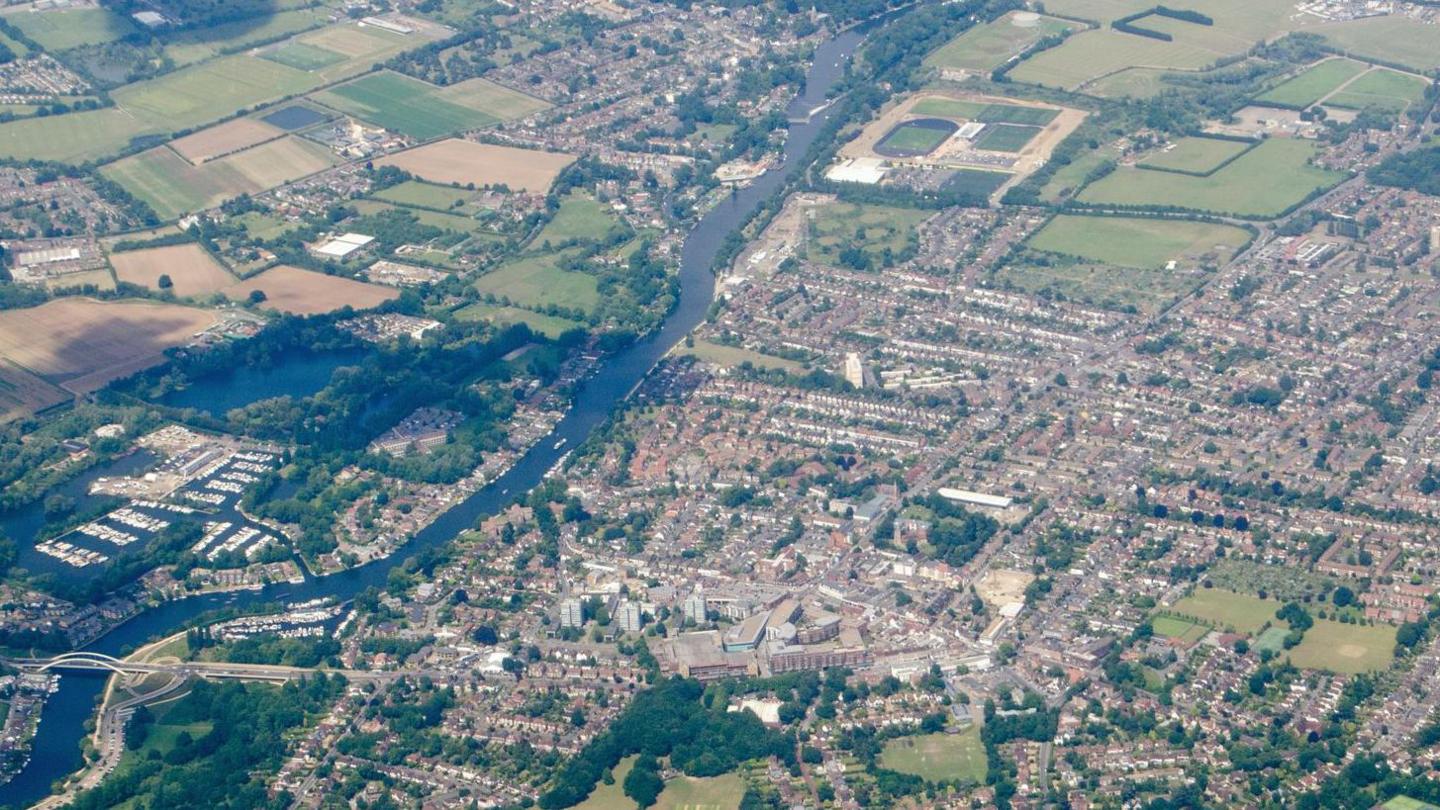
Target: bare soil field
[(81, 344), (464, 162), (23, 394), (218, 141), (305, 292), (1000, 587), (190, 268)]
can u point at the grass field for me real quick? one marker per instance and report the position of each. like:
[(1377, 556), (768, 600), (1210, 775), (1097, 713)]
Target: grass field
[(1394, 38), (71, 28), (492, 98), (1139, 242), (1312, 84), (1345, 648), (222, 139), (1182, 630), (420, 194), (209, 91), (871, 228), (1005, 137), (682, 793), (438, 219), (732, 356), (261, 226), (1091, 54), (467, 162), (189, 47), (547, 325), (189, 267), (581, 218), (986, 47), (1407, 803), (1260, 184), (1380, 89), (172, 186), (1272, 639), (938, 757), (975, 181), (537, 281), (1194, 155), (1131, 83), (410, 106), (949, 108), (304, 56), (305, 292), (985, 112), (913, 138), (1227, 609), (81, 344)]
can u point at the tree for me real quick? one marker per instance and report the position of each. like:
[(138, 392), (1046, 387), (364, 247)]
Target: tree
[(643, 783), (164, 282), (485, 634), (1343, 596), (257, 296)]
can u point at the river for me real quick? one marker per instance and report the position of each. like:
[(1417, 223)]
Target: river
[(57, 745)]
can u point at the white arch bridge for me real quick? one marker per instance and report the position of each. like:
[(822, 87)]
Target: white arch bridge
[(93, 662)]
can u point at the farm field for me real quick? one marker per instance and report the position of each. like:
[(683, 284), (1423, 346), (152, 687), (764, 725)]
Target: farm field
[(986, 47), (1092, 54), (1182, 630), (538, 281), (81, 344), (1345, 648), (1138, 242), (1194, 155), (23, 393), (305, 292), (873, 229), (173, 187), (190, 268), (209, 91), (1391, 38), (222, 139), (1260, 184), (467, 162), (402, 104), (937, 757), (1006, 137), (1380, 89), (1226, 609), (580, 218), (1312, 84), (70, 28), (732, 356), (547, 325)]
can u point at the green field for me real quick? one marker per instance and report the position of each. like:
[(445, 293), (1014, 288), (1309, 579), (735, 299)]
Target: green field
[(1312, 84), (1345, 648), (547, 325), (1095, 53), (189, 47), (986, 47), (1407, 803), (975, 181), (1182, 630), (949, 108), (1262, 183), (938, 757), (732, 356), (682, 793), (1131, 83), (71, 28), (402, 104), (1005, 137), (580, 218), (303, 56), (1380, 89), (436, 219), (985, 112), (537, 281), (1272, 639), (873, 229), (1227, 609), (1393, 38), (420, 194), (1138, 242), (914, 139), (1194, 155)]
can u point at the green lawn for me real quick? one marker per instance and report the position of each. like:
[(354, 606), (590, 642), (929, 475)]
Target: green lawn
[(420, 194), (1227, 609), (1407, 803), (1272, 639), (402, 104), (547, 325), (986, 47), (537, 281), (1182, 630), (1194, 155), (1138, 242), (1380, 89), (733, 356), (581, 217), (304, 56), (1261, 184), (682, 793), (1311, 85), (1345, 648), (71, 28), (1005, 137), (938, 757)]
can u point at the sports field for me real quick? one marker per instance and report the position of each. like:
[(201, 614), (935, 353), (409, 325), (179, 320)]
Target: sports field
[(305, 292), (975, 181), (192, 271), (915, 138), (1194, 155), (538, 281), (483, 164), (872, 229), (1137, 241), (81, 344), (1311, 84), (547, 325), (1260, 184), (222, 139), (71, 28), (1005, 137), (172, 186), (1227, 609), (986, 47), (1380, 89), (304, 56), (415, 108), (581, 218), (1345, 648), (938, 757), (1182, 630)]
